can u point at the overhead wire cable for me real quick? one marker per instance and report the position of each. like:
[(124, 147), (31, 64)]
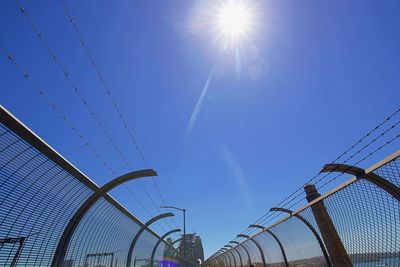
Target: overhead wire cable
[(358, 152), (69, 124), (110, 96), (341, 173), (292, 197), (83, 99), (285, 201)]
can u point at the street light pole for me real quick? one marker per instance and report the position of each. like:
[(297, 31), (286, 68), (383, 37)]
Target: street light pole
[(184, 225), (184, 232)]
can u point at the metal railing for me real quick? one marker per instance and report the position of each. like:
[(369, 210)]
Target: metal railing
[(355, 224), (41, 193)]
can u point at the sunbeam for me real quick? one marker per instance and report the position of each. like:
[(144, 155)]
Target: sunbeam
[(199, 104), (233, 19), (231, 23)]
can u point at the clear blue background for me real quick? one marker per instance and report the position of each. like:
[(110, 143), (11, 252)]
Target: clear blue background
[(325, 72)]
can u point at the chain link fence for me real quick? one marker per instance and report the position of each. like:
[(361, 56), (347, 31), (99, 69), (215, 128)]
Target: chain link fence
[(356, 224)]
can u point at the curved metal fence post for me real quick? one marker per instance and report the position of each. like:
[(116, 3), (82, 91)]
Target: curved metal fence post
[(222, 260), (386, 185), (219, 257), (301, 218), (276, 239), (158, 243), (61, 250), (176, 241), (141, 230), (229, 259), (173, 243), (280, 246), (240, 257), (225, 255), (214, 262), (245, 249), (258, 246), (233, 257), (216, 259)]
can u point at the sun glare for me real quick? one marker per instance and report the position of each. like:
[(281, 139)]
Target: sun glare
[(233, 19)]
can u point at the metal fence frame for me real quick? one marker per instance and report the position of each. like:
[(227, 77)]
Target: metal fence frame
[(24, 133), (367, 174)]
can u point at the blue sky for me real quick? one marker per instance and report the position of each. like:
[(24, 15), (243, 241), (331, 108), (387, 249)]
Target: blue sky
[(315, 78)]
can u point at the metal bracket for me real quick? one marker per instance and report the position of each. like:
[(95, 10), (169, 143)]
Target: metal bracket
[(389, 187), (61, 250)]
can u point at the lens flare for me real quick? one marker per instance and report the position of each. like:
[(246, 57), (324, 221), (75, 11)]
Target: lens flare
[(234, 19)]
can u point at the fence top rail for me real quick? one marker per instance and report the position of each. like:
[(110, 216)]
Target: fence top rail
[(25, 133), (351, 180), (372, 168)]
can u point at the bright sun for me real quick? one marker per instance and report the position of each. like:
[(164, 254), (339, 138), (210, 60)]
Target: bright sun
[(233, 19)]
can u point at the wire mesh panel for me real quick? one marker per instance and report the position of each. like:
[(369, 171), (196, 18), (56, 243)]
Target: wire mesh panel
[(390, 171), (231, 259), (215, 262), (367, 220), (169, 257), (222, 261), (37, 199), (272, 252), (357, 224), (239, 259), (227, 259), (243, 254), (143, 249), (104, 230), (301, 246), (164, 256), (254, 253), (39, 194), (234, 258)]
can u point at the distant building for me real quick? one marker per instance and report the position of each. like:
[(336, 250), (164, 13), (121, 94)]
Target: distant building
[(198, 249), (193, 247)]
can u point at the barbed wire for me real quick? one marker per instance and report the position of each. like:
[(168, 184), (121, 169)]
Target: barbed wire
[(348, 150), (364, 158), (357, 153), (83, 100), (268, 217), (70, 125), (110, 96), (272, 218)]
